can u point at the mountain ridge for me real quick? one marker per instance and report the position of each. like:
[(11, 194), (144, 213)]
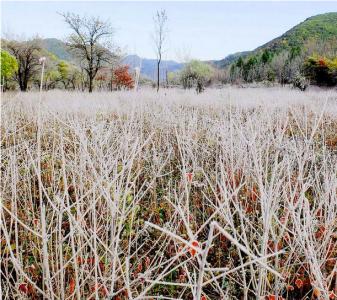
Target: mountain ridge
[(321, 27)]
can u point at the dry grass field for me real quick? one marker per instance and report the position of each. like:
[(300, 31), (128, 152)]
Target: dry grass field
[(230, 194)]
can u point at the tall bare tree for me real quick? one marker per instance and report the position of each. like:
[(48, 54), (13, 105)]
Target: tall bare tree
[(159, 38), (27, 56), (90, 42)]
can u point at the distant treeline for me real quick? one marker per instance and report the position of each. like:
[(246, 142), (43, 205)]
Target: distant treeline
[(315, 63)]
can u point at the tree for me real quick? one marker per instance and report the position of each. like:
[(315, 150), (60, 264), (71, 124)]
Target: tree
[(279, 65), (159, 38), (63, 69), (51, 78), (9, 66), (250, 69), (90, 42), (321, 70), (122, 78), (196, 73), (266, 56), (27, 56), (240, 62), (75, 78), (173, 78)]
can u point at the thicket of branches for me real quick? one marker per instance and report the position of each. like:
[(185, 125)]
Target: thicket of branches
[(231, 195)]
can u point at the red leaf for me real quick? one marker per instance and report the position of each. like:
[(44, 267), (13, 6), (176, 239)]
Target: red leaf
[(298, 283), (71, 285), (23, 288), (192, 250), (189, 177)]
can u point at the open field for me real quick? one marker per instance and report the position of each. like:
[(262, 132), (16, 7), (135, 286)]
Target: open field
[(230, 194)]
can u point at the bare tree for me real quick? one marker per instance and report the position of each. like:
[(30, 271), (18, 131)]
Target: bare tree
[(90, 42), (159, 38), (27, 56), (279, 66)]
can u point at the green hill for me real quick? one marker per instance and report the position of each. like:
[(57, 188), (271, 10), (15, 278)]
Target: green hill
[(319, 29), (58, 48)]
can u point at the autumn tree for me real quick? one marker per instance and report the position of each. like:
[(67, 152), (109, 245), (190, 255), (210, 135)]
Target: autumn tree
[(90, 42), (122, 78), (159, 38), (27, 55), (321, 70)]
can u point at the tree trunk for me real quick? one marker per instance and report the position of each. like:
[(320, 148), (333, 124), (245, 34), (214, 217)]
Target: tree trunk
[(90, 84), (158, 73), (20, 79), (25, 85)]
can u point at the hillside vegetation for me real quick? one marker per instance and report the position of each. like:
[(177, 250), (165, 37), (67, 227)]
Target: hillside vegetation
[(286, 58), (320, 28)]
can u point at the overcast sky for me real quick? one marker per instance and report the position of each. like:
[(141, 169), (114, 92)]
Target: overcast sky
[(203, 30)]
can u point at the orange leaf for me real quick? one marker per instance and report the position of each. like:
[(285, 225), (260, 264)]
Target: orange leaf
[(71, 285), (316, 292), (298, 283)]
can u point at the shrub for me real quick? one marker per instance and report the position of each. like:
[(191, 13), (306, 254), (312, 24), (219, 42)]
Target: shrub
[(321, 70), (196, 73), (300, 82)]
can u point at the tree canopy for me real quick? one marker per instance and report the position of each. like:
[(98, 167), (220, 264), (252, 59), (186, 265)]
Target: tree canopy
[(196, 73), (90, 42), (9, 65)]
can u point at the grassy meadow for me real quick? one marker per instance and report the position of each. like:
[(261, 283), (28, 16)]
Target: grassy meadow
[(230, 194)]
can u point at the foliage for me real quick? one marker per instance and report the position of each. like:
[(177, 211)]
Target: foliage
[(300, 82), (266, 56), (9, 65), (122, 78), (51, 78), (27, 56), (173, 78), (321, 70), (284, 57), (195, 73), (63, 69), (321, 27)]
